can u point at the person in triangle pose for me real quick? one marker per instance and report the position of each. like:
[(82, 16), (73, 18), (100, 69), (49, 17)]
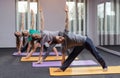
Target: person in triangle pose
[(79, 42), (45, 36)]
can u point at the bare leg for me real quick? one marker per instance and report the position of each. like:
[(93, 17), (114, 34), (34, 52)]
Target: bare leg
[(28, 48), (32, 51), (56, 52), (19, 49), (40, 59)]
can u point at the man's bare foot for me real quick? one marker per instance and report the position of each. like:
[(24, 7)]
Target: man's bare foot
[(105, 69), (58, 70)]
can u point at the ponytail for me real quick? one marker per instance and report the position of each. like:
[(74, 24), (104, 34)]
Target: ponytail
[(18, 36)]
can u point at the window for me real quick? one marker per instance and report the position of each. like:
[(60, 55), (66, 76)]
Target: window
[(77, 16), (108, 22), (24, 16)]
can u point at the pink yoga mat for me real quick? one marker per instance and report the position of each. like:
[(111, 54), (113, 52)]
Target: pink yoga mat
[(58, 63)]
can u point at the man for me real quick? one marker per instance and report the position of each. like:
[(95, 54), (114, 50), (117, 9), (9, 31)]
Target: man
[(79, 42)]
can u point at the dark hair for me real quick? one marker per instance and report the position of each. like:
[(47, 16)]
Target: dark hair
[(23, 38), (17, 40), (34, 39), (54, 40), (38, 39), (24, 35)]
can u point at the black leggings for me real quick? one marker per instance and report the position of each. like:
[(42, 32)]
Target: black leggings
[(48, 51), (78, 49), (24, 48)]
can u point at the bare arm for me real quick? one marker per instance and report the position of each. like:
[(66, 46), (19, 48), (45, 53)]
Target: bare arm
[(67, 19), (22, 22), (41, 50), (42, 19), (32, 14)]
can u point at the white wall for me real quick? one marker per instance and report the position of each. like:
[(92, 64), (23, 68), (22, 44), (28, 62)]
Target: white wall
[(54, 14), (7, 23), (54, 19)]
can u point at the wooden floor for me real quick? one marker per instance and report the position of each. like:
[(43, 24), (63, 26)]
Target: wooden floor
[(12, 67)]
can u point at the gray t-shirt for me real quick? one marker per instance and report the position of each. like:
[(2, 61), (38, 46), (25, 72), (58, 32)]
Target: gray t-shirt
[(48, 36), (72, 40)]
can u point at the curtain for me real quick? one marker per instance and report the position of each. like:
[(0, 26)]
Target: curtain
[(24, 15), (109, 22), (77, 16)]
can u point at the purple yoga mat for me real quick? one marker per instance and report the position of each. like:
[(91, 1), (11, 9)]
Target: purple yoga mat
[(35, 53), (58, 63)]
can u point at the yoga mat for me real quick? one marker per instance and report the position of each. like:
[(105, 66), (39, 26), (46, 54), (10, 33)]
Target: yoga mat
[(58, 63), (49, 58), (34, 54), (85, 71)]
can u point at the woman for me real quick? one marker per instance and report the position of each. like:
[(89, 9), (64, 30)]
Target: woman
[(18, 36), (45, 36), (21, 37)]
